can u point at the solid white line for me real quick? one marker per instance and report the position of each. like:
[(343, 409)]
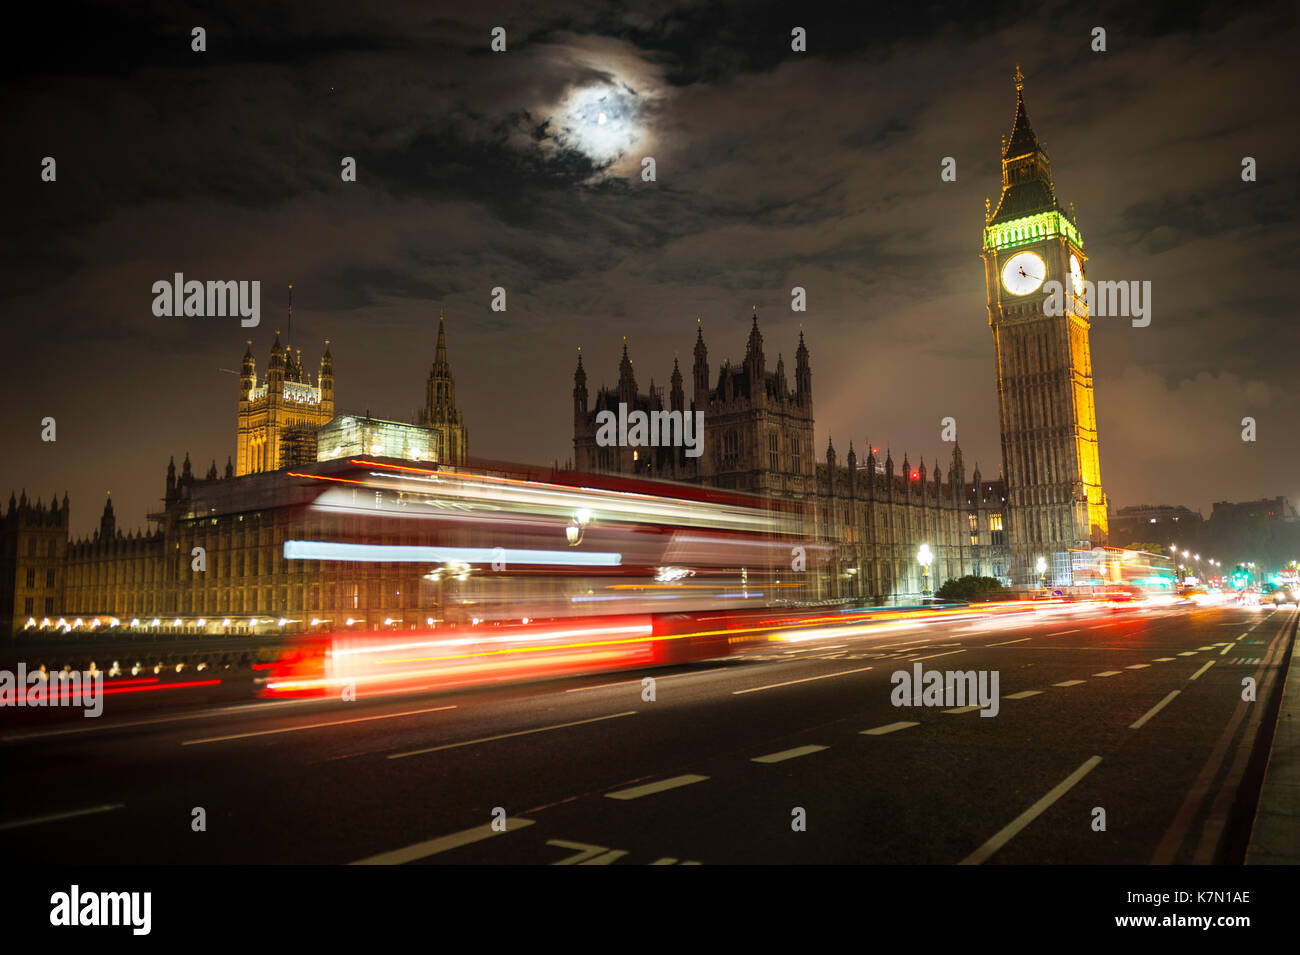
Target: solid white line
[(1070, 683), (660, 679), (489, 739), (59, 815), (1108, 673), (1029, 815), (431, 847), (787, 754), (888, 728), (312, 726), (1203, 669), (240, 708), (649, 789), (1009, 642), (1154, 710), (1022, 695), (773, 686)]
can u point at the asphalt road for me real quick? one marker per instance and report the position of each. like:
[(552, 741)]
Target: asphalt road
[(1137, 713)]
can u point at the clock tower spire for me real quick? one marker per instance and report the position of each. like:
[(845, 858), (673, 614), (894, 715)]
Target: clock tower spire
[(1044, 364)]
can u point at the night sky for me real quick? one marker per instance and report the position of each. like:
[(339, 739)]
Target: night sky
[(775, 169)]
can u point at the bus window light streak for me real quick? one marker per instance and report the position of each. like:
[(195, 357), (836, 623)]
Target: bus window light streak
[(412, 553)]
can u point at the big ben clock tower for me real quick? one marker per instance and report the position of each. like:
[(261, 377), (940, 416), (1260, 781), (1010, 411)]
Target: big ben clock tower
[(1045, 397)]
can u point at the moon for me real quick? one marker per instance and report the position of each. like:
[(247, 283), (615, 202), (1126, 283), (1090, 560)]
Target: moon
[(601, 121)]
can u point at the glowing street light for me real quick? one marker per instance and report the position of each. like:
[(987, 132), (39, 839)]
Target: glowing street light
[(1042, 572), (925, 557)]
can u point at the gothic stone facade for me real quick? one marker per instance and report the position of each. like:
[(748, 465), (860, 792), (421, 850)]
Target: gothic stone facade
[(758, 437)]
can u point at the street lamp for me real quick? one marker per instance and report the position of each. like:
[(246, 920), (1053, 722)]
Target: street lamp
[(925, 558), (1042, 572)]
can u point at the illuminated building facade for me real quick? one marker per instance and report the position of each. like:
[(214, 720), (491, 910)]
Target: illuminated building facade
[(440, 413), (280, 415), (362, 436), (1044, 366)]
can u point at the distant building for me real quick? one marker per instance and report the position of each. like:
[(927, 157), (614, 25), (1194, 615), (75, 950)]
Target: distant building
[(1162, 524)]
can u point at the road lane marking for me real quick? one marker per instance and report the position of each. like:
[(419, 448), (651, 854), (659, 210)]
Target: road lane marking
[(1154, 710), (1070, 683), (1165, 659), (1224, 651), (1109, 673), (670, 676), (825, 676), (888, 728), (933, 655), (1137, 666), (1062, 632), (1022, 695), (489, 739), (1203, 669), (1207, 648), (788, 754), (1188, 653), (962, 709), (431, 847), (1029, 815), (649, 789), (312, 726), (104, 727), (55, 817), (1008, 643)]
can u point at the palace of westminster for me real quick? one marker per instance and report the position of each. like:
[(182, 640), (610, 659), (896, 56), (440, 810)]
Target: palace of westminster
[(873, 512)]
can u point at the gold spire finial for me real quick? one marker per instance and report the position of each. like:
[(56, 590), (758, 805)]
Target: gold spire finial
[(1020, 79)]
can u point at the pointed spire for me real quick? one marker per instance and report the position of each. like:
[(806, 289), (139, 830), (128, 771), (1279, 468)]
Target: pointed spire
[(1022, 139)]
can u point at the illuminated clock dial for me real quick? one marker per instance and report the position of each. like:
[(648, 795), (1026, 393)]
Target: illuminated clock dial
[(1076, 274), (1023, 273)]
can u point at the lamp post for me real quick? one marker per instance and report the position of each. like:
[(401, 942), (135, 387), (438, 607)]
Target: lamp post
[(925, 558), (1042, 572)]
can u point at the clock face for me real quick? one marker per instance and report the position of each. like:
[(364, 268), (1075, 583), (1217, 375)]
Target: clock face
[(1076, 274), (1023, 273)]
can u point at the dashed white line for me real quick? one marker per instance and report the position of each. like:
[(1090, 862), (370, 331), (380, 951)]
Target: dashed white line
[(962, 709), (787, 754), (1154, 710), (1070, 683), (888, 728), (934, 655), (1164, 660), (1188, 653), (649, 789), (1062, 632), (313, 726), (431, 847), (1203, 669), (1022, 695), (1109, 673), (489, 739), (1137, 666), (1009, 642), (1029, 815)]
